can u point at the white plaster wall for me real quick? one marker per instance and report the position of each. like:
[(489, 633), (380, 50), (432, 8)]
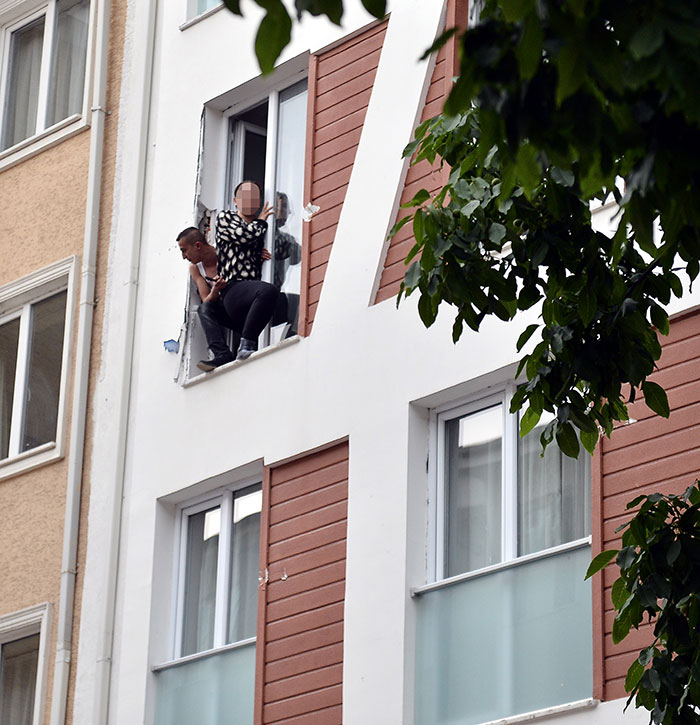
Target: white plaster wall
[(354, 376)]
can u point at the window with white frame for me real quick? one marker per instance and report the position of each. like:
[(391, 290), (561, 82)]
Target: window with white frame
[(511, 546), (218, 577), (34, 325), (501, 498), (267, 143), (43, 68), (22, 665)]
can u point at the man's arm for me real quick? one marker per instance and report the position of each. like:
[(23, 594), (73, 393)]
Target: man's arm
[(202, 286)]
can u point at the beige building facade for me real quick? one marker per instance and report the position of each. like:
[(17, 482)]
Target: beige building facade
[(60, 77)]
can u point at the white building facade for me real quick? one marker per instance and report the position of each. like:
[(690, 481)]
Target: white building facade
[(344, 527)]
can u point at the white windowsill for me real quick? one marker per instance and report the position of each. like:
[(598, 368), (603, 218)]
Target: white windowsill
[(236, 363), (39, 456), (202, 16), (203, 655), (41, 141), (545, 712), (545, 554)]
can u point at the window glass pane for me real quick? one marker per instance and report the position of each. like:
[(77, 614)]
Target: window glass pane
[(200, 580), (473, 477), (22, 97), (554, 494), (18, 666), (45, 357), (197, 7), (9, 336), (291, 145), (68, 61), (245, 553)]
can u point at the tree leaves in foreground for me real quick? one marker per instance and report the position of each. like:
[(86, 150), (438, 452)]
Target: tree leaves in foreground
[(660, 578), (559, 105), (275, 29)]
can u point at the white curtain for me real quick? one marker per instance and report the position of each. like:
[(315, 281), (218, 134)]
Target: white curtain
[(9, 334), (474, 490), (68, 61), (22, 97), (553, 496), (18, 666), (243, 608), (200, 584)]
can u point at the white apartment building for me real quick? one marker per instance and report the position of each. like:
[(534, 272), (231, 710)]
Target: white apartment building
[(345, 526)]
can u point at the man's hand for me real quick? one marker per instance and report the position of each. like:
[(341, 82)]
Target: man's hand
[(265, 212), (265, 254), (216, 288)]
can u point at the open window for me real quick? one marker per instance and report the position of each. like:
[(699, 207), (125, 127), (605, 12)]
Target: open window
[(255, 132)]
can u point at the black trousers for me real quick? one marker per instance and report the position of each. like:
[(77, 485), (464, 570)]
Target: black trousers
[(244, 306)]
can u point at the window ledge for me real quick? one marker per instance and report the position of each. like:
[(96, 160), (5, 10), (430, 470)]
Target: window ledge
[(39, 456), (546, 712), (203, 655), (236, 363), (41, 141), (544, 554), (202, 16)]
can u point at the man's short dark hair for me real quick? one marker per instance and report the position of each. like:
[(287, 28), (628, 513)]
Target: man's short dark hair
[(246, 181), (190, 236)]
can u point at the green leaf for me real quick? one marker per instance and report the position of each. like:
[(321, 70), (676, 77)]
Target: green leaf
[(377, 8), (439, 42), (525, 336), (234, 6), (655, 398), (600, 561), (529, 50), (528, 169), (528, 421), (496, 233), (619, 593), (659, 318), (567, 440), (646, 40), (571, 71), (273, 36), (589, 440), (621, 627), (634, 674), (587, 305), (470, 208)]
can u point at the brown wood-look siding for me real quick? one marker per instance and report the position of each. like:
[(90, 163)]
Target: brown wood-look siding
[(340, 86), (299, 658), (423, 175), (652, 454)]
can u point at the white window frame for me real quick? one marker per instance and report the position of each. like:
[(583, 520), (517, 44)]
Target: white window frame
[(15, 300), (15, 14), (223, 498), (24, 623), (438, 498)]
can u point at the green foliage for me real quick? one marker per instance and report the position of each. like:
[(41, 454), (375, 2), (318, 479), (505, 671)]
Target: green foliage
[(557, 105), (275, 29), (660, 581)]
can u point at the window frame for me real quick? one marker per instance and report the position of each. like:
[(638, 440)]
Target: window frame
[(15, 299), (24, 623), (438, 495), (14, 16), (223, 497)]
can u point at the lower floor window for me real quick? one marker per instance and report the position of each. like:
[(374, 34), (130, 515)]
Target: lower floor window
[(219, 574), (18, 668)]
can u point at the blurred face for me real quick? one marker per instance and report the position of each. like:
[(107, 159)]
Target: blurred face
[(191, 252), (247, 199)]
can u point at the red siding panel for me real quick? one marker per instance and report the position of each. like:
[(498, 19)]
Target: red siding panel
[(423, 175), (301, 603), (651, 454), (340, 86)]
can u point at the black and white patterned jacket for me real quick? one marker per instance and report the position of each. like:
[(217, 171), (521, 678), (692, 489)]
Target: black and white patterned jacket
[(239, 246)]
